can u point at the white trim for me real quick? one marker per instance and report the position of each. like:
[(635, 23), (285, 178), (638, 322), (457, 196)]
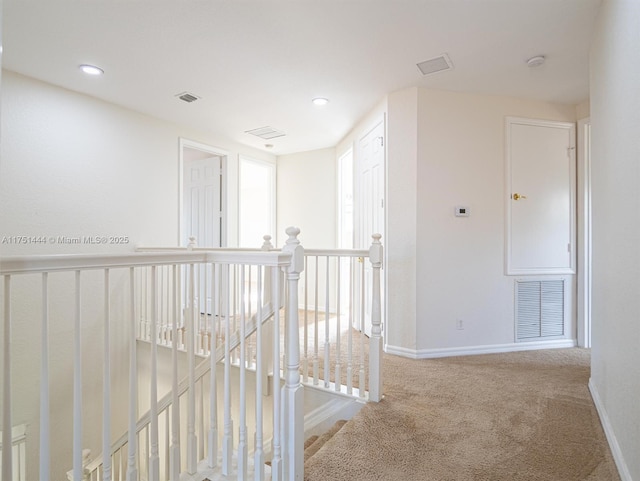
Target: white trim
[(474, 350), (623, 470), (339, 406), (571, 127), (18, 435), (584, 234)]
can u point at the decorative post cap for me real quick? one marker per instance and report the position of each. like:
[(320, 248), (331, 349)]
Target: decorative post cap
[(267, 245), (293, 233), (297, 252), (375, 251)]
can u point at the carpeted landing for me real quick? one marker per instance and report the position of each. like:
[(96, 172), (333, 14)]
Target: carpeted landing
[(516, 416)]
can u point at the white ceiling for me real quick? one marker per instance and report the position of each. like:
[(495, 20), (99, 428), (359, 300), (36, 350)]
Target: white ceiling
[(260, 62)]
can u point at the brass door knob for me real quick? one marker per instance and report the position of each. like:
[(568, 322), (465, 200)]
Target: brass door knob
[(517, 196)]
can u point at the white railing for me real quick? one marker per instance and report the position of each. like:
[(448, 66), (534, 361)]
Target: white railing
[(340, 315), (103, 291), (341, 307), (201, 298), (19, 451)]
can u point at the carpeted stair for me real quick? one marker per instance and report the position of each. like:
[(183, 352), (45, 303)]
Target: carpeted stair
[(315, 443)]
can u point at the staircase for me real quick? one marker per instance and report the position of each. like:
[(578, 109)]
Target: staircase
[(314, 443), (209, 425)]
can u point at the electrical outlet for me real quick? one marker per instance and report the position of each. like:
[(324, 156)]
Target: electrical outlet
[(459, 324)]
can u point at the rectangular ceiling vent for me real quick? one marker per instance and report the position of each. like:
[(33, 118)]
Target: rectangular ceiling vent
[(187, 97), (435, 65), (265, 133)]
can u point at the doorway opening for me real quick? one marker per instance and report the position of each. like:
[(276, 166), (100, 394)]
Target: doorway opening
[(202, 193)]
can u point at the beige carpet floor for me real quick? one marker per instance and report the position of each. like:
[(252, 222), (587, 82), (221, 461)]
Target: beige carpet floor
[(512, 417)]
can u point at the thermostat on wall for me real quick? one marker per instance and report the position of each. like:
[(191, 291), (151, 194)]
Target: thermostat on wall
[(462, 211)]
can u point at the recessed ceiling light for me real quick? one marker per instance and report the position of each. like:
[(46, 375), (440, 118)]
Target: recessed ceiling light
[(91, 69), (535, 61), (320, 101)]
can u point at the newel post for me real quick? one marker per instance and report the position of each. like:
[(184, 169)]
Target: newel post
[(375, 341), (293, 396), (267, 328)]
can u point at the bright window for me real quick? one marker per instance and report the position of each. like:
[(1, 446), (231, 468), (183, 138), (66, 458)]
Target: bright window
[(257, 202)]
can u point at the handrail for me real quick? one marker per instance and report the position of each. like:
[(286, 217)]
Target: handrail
[(337, 252), (11, 265)]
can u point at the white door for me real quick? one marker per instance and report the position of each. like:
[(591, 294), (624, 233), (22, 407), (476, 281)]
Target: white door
[(370, 164), (202, 215), (540, 197), (201, 203)]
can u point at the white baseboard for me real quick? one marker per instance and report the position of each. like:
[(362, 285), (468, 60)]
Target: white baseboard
[(623, 471), (473, 350)]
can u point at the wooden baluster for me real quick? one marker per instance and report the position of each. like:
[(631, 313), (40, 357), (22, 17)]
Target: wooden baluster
[(293, 390), (77, 384), (227, 437), (375, 341), (106, 383), (213, 391), (242, 441), (146, 453), (201, 431), (44, 454), (132, 466), (350, 331), (174, 465), (267, 331), (7, 458), (258, 456), (305, 343), (192, 442), (167, 443), (327, 341), (276, 461), (338, 383), (316, 335), (154, 458), (362, 387), (160, 302), (234, 317)]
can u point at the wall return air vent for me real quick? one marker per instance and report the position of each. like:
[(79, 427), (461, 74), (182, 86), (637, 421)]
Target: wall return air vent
[(435, 65), (266, 133)]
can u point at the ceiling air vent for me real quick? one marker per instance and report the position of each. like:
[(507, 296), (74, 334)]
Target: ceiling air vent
[(266, 133), (436, 64), (187, 97)]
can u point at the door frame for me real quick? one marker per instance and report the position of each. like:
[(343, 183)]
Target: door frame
[(509, 121), (378, 121), (584, 233), (224, 155)]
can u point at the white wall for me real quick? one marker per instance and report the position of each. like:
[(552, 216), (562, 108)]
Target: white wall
[(445, 149), (306, 197), (72, 165), (460, 268), (401, 250), (615, 123)]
